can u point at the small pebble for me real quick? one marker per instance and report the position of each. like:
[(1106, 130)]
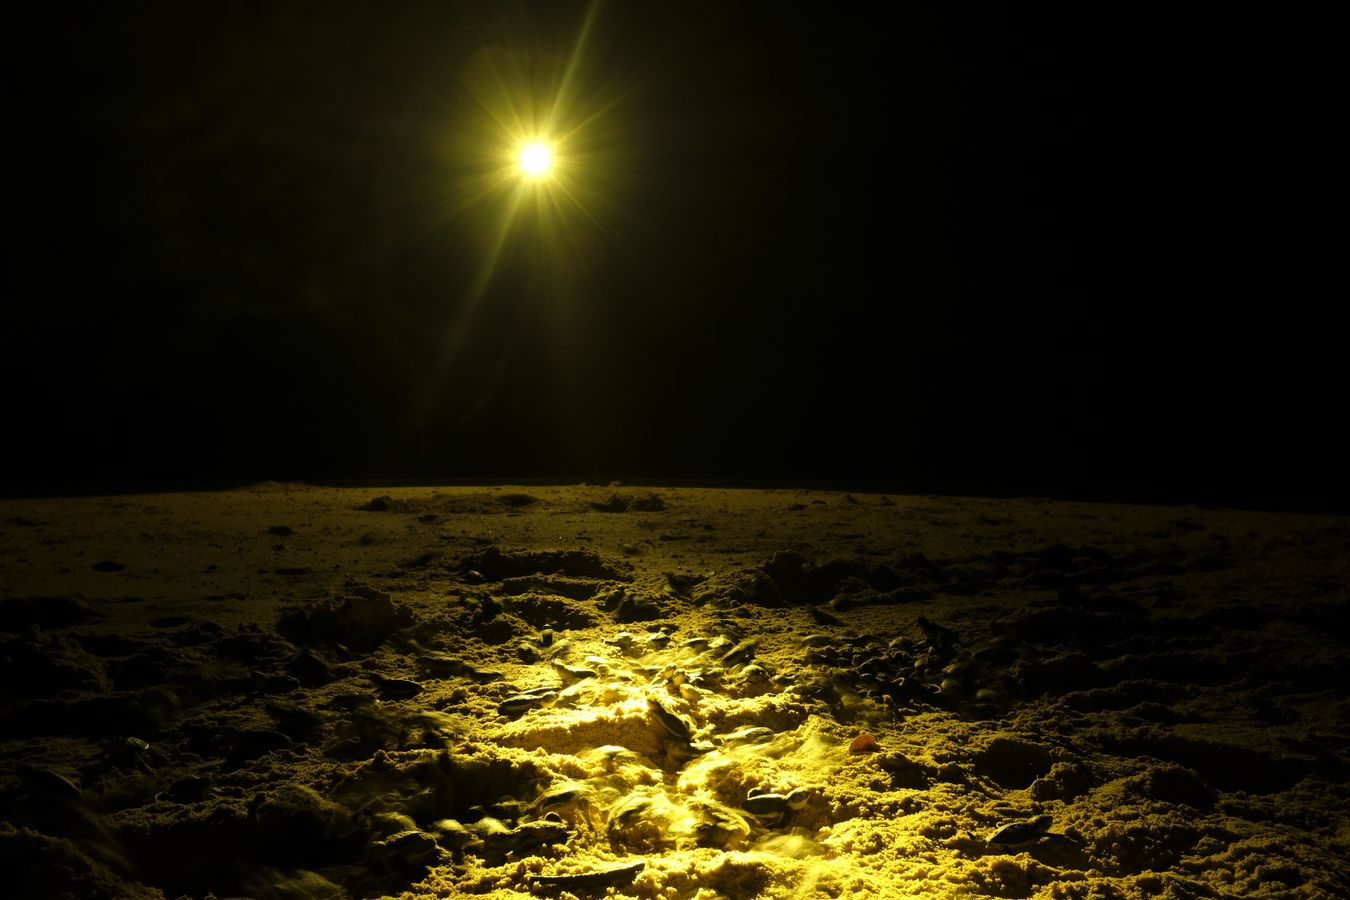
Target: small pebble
[(864, 743)]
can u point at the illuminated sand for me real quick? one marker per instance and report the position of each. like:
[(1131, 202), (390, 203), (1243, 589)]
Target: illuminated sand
[(1163, 682)]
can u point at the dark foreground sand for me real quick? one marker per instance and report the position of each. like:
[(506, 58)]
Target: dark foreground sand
[(291, 691)]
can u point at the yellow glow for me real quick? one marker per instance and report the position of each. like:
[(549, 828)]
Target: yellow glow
[(534, 154), (536, 159)]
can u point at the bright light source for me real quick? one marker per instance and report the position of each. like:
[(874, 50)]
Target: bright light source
[(536, 158)]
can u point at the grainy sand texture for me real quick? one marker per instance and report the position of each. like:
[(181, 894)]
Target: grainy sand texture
[(292, 691)]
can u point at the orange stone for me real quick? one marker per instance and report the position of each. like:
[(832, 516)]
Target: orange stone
[(864, 743)]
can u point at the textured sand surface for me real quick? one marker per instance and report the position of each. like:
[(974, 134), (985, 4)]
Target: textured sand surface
[(294, 691)]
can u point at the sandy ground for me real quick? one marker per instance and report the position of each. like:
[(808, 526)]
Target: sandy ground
[(292, 691)]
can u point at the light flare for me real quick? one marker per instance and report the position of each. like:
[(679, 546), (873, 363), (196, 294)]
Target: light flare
[(533, 157), (536, 159)]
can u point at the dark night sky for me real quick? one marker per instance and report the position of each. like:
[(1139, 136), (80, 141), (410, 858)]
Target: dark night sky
[(1094, 254)]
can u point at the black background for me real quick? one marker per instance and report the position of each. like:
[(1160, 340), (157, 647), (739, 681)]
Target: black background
[(1084, 253)]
